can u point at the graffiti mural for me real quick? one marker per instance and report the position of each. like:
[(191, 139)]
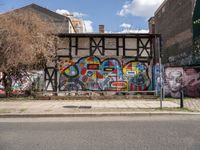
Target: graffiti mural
[(90, 73), (24, 84), (173, 82), (157, 78), (191, 82), (137, 76), (1, 84), (186, 78)]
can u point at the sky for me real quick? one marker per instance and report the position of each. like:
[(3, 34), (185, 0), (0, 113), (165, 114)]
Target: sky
[(116, 15)]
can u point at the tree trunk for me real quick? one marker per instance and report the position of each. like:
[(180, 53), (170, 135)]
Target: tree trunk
[(7, 82)]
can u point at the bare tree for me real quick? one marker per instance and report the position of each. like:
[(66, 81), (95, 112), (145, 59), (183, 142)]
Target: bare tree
[(26, 42)]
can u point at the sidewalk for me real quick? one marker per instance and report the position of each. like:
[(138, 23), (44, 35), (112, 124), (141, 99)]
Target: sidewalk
[(190, 103), (43, 108)]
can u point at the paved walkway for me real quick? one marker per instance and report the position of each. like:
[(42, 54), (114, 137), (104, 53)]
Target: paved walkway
[(192, 104), (63, 106)]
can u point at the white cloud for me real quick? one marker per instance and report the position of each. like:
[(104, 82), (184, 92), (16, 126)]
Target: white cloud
[(145, 8), (135, 31), (88, 25), (128, 28), (66, 12), (125, 25), (78, 15), (63, 12)]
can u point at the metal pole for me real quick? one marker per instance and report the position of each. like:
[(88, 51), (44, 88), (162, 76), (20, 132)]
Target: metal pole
[(181, 98), (56, 67), (161, 97), (161, 83), (161, 79)]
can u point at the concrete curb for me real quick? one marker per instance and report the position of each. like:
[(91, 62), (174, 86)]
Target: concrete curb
[(97, 114)]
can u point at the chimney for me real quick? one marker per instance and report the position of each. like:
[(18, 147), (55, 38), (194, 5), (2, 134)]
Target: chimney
[(101, 28), (152, 25)]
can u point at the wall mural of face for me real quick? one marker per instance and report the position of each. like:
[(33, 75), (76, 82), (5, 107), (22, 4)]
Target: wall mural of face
[(173, 81)]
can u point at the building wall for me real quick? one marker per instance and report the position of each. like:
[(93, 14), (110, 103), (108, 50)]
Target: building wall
[(110, 47), (108, 71), (33, 80), (175, 79), (180, 77), (196, 31), (110, 74), (174, 21), (152, 25), (59, 23), (78, 24), (71, 28)]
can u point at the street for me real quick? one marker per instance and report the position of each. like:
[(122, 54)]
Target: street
[(101, 133)]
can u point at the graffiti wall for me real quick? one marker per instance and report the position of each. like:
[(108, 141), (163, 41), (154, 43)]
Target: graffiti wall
[(111, 74), (25, 83), (186, 78), (173, 82), (157, 78), (1, 85)]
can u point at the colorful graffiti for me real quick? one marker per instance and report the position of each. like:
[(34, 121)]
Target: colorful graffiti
[(1, 84), (157, 78), (90, 73), (191, 82), (24, 84), (186, 78), (173, 82)]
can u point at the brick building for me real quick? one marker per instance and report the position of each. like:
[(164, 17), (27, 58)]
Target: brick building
[(178, 23), (173, 20), (60, 23), (196, 32)]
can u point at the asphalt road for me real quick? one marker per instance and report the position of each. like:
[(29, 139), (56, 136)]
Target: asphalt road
[(101, 133)]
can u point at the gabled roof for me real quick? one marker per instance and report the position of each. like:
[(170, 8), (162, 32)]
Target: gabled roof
[(44, 10), (161, 6)]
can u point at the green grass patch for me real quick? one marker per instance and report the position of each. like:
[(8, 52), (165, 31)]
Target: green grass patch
[(5, 110), (178, 99), (48, 110), (22, 110), (176, 109)]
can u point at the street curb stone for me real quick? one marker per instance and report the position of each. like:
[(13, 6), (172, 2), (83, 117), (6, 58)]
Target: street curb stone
[(97, 114)]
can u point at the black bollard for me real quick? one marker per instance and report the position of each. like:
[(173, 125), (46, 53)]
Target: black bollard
[(161, 98), (181, 98)]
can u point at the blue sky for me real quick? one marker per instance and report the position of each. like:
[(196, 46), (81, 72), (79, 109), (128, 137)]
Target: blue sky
[(116, 15)]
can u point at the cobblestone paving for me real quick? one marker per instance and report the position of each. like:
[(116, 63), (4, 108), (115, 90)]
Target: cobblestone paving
[(192, 104)]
